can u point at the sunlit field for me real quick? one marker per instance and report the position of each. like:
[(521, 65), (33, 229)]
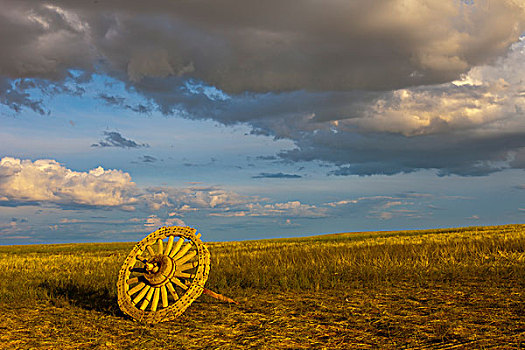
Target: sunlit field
[(434, 289)]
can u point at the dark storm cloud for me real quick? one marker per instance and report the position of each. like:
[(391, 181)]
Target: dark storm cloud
[(148, 159), (243, 46), (518, 162), (140, 108), (16, 99), (360, 84), (119, 101), (391, 154), (112, 100), (266, 158), (115, 139), (276, 176)]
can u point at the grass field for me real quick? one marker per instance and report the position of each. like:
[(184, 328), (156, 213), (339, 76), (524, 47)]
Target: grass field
[(434, 289)]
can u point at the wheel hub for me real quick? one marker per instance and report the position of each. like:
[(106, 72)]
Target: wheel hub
[(159, 270)]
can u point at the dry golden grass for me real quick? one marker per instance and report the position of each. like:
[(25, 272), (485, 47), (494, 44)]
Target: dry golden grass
[(434, 289)]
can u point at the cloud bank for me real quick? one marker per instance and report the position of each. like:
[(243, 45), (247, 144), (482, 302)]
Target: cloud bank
[(260, 47), (47, 181), (276, 176), (374, 87)]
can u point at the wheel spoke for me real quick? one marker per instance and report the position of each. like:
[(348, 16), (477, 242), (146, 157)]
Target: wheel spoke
[(150, 250), (178, 283), (141, 294), (134, 280), (155, 301), (136, 288), (182, 274), (147, 299), (161, 246), (187, 266), (177, 247), (172, 291), (182, 260), (183, 251), (170, 244), (164, 293)]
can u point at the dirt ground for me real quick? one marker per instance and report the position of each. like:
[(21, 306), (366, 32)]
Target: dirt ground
[(441, 316)]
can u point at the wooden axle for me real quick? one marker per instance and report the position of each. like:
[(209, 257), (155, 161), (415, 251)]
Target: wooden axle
[(218, 296)]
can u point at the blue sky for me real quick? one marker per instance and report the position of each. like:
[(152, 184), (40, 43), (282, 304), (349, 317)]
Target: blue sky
[(258, 121)]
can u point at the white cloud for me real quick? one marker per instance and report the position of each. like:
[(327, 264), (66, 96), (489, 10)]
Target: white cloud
[(184, 209), (380, 207), (289, 209), (158, 200), (10, 227), (72, 221), (386, 215), (193, 198), (392, 204), (343, 202), (153, 221), (396, 213), (372, 199), (47, 181), (488, 98)]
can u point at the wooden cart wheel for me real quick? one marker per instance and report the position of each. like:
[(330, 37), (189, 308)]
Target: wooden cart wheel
[(164, 273)]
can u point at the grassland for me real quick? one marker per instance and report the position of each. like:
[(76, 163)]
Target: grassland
[(434, 289)]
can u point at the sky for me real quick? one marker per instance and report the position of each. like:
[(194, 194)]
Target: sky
[(249, 119)]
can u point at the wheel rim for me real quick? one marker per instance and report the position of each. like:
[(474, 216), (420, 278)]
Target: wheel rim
[(163, 274)]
